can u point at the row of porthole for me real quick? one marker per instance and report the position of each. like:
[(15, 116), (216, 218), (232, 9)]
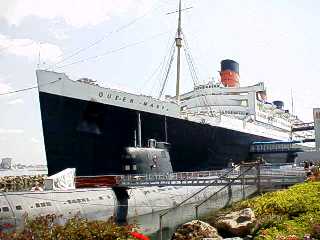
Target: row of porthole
[(43, 204), (48, 204), (78, 200), (6, 209)]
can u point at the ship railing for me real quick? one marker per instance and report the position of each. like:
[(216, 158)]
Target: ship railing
[(202, 177), (178, 176), (248, 181), (302, 127), (185, 209)]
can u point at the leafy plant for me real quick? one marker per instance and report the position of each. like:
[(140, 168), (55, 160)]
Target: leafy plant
[(45, 228)]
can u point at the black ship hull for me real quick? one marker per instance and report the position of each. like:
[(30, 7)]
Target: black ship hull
[(91, 137)]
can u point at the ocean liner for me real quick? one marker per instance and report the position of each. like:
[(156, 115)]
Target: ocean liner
[(90, 127)]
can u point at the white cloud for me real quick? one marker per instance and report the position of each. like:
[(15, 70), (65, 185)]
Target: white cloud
[(15, 101), (34, 140), (4, 87), (78, 13), (58, 33), (11, 131), (29, 48)]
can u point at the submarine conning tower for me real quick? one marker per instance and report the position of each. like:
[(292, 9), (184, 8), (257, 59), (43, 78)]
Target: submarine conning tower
[(229, 73)]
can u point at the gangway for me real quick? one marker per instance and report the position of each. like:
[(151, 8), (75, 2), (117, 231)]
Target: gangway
[(267, 177), (302, 127), (200, 178), (275, 147)]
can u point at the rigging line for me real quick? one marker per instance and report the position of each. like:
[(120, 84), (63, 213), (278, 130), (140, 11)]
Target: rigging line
[(119, 29), (151, 76), (112, 51), (168, 67), (165, 57), (190, 60), (194, 75), (28, 88), (160, 66), (165, 63)]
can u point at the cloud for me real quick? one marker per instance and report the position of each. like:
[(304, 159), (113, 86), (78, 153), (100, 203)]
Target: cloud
[(11, 131), (29, 48), (34, 140), (77, 13), (15, 101), (4, 87), (58, 33)]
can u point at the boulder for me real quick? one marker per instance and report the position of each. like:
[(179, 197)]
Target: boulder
[(196, 229), (237, 223)]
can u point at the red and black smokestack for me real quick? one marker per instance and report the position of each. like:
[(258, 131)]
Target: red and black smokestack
[(229, 73)]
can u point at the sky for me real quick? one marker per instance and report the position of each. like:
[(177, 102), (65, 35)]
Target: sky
[(122, 43)]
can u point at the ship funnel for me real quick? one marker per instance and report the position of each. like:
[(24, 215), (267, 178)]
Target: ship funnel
[(229, 73), (278, 104)]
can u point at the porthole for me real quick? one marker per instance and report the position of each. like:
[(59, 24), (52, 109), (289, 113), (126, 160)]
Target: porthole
[(18, 207), (5, 209)]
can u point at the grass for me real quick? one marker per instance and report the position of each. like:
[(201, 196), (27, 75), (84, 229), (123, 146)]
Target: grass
[(289, 214)]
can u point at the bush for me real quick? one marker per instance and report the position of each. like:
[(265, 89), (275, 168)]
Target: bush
[(44, 228), (287, 214)]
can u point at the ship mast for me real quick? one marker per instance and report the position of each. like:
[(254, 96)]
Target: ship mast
[(178, 45)]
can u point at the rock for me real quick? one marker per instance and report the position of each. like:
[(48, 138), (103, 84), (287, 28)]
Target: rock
[(245, 215), (196, 229), (237, 223)]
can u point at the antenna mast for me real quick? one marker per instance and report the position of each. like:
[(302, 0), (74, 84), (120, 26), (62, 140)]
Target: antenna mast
[(178, 45), (291, 102)]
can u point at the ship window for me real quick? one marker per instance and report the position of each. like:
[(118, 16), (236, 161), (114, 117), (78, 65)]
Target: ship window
[(48, 204), (78, 200), (127, 168), (5, 209), (37, 205), (108, 197), (43, 204), (134, 167), (101, 198), (74, 201), (163, 154), (69, 201), (18, 207), (87, 199)]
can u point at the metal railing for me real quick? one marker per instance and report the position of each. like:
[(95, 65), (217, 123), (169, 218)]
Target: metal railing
[(237, 184), (239, 177), (222, 177), (201, 178)]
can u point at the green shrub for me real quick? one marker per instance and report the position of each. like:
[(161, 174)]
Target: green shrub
[(287, 214), (44, 228)]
